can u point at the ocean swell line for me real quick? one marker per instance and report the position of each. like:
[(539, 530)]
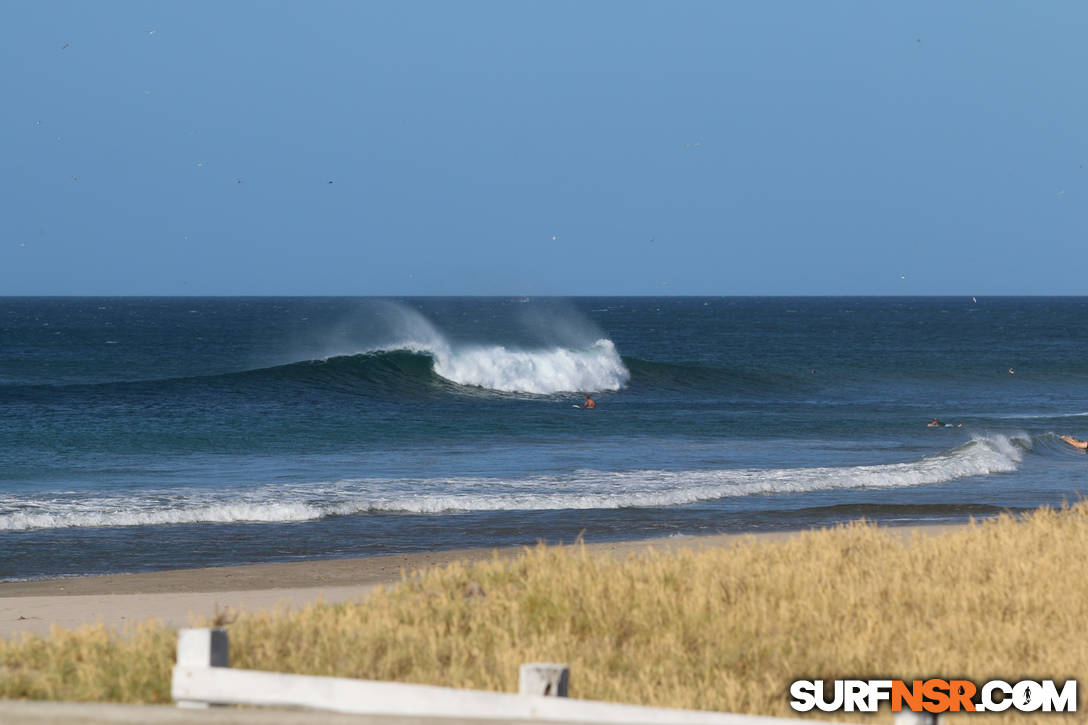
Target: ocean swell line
[(584, 489)]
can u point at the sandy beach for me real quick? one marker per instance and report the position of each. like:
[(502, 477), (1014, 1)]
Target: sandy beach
[(177, 597)]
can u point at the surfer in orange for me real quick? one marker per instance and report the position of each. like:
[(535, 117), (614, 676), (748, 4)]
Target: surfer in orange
[(590, 404)]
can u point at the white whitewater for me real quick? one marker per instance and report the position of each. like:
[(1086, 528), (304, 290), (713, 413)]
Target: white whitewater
[(582, 489), (543, 371)]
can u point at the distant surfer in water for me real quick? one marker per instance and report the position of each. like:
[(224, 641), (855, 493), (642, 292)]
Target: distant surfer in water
[(589, 404), (1083, 445), (934, 423)]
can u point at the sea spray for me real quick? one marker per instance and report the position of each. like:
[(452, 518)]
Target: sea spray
[(535, 371), (508, 368), (511, 370)]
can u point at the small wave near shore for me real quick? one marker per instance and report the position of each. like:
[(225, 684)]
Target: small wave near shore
[(582, 489)]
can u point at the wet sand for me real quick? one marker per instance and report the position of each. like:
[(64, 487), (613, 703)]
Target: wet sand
[(178, 597)]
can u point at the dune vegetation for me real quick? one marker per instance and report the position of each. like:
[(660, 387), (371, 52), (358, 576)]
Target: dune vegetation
[(722, 629)]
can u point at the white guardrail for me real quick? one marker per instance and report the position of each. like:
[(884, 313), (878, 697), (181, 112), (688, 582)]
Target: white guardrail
[(203, 677)]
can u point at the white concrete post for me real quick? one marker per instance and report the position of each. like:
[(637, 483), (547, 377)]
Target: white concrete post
[(542, 678), (909, 717), (204, 647)]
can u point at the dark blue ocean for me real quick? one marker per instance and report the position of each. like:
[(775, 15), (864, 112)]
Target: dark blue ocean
[(154, 433)]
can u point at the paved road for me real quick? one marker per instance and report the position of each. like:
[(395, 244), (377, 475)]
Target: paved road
[(63, 713)]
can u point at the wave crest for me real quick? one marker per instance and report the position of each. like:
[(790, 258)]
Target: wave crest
[(540, 372)]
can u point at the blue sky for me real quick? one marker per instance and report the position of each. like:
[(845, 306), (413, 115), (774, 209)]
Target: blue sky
[(543, 148)]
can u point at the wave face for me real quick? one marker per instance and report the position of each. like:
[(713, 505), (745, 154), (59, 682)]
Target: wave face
[(582, 489), (489, 367), (683, 378)]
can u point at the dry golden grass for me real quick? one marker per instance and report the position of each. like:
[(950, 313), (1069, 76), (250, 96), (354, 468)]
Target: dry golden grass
[(91, 663), (726, 629)]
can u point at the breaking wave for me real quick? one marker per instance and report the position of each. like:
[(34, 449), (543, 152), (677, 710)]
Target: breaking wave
[(508, 369), (582, 489), (542, 372)]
